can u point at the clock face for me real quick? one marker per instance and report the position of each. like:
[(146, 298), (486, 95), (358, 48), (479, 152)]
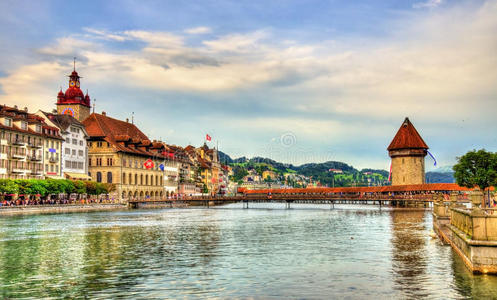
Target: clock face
[(71, 83), (68, 111), (77, 83)]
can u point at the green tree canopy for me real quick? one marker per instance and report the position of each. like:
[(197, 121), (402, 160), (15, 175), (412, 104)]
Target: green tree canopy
[(476, 168)]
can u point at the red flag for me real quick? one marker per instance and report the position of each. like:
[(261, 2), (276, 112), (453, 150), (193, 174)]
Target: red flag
[(149, 164), (208, 137)]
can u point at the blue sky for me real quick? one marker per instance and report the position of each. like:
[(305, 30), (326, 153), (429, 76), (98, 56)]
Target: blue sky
[(297, 81)]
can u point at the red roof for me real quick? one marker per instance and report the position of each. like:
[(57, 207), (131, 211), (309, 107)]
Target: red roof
[(372, 189), (407, 138), (120, 134)]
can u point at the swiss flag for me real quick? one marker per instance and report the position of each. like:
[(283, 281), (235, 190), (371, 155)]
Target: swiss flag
[(149, 164), (208, 137)]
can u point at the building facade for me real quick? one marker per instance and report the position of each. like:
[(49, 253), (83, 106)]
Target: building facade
[(407, 151), (74, 152), (120, 154), (29, 147)]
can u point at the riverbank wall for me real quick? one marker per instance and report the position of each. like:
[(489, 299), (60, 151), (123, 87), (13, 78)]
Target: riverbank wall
[(472, 233), (59, 208)]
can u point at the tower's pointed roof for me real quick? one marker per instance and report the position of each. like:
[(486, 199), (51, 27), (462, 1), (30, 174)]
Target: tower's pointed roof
[(407, 138)]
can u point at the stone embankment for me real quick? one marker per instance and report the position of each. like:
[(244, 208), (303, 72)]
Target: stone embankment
[(59, 208)]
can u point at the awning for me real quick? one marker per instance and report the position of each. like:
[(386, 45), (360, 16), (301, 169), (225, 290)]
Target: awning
[(78, 176)]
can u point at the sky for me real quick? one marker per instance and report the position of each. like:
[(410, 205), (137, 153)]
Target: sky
[(295, 81)]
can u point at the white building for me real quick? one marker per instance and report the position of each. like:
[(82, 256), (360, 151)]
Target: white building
[(74, 148)]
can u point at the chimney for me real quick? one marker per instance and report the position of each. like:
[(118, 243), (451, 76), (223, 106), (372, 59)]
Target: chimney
[(127, 120), (104, 114)]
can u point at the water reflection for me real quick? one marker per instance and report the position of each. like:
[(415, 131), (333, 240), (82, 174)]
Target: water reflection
[(409, 252), (306, 252)]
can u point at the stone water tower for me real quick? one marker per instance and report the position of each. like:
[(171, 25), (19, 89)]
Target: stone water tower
[(408, 151)]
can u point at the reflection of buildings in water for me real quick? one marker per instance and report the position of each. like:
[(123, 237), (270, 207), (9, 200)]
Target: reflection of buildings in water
[(409, 252)]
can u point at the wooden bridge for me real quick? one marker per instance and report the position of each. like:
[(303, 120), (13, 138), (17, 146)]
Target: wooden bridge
[(402, 196)]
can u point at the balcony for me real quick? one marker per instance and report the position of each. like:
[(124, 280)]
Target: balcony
[(18, 156), (35, 158), (17, 170), (18, 142), (37, 172), (53, 159), (35, 145)]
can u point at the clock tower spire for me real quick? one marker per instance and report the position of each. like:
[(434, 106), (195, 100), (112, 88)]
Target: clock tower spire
[(73, 102)]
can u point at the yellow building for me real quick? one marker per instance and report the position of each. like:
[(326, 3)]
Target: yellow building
[(120, 154), (268, 174)]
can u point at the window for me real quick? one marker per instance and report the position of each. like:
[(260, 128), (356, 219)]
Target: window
[(51, 168), (99, 161), (38, 128), (74, 141), (46, 168), (99, 144), (124, 178), (80, 152), (74, 165), (8, 122), (67, 151), (109, 177), (74, 130), (99, 177), (68, 140), (81, 143), (89, 161), (68, 163), (109, 161), (129, 179), (136, 179), (51, 144), (80, 165), (74, 152), (24, 125)]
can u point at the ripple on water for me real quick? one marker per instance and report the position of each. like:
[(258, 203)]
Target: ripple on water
[(263, 252)]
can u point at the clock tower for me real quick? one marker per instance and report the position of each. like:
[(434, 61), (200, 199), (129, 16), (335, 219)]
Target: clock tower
[(73, 102)]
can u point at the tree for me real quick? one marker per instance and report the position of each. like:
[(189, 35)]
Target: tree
[(477, 168), (8, 186)]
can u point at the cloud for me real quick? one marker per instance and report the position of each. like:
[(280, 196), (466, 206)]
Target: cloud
[(430, 68), (198, 30), (428, 4)]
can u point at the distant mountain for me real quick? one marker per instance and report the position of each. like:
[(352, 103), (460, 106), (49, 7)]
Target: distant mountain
[(225, 158), (440, 177), (312, 168), (444, 169)]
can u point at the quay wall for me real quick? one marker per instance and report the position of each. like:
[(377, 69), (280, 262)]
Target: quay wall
[(472, 233), (59, 208)]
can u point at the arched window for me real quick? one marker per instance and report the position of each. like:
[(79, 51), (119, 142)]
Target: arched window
[(146, 179), (136, 179), (109, 177), (156, 180), (141, 179), (99, 177), (130, 178), (124, 179)]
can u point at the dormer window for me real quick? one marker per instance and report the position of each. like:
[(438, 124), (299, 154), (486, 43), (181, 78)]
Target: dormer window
[(8, 122), (24, 125), (38, 128)]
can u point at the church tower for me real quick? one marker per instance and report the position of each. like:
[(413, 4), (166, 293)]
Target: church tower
[(73, 102), (408, 151)]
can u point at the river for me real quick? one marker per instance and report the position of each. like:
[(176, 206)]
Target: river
[(267, 251)]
